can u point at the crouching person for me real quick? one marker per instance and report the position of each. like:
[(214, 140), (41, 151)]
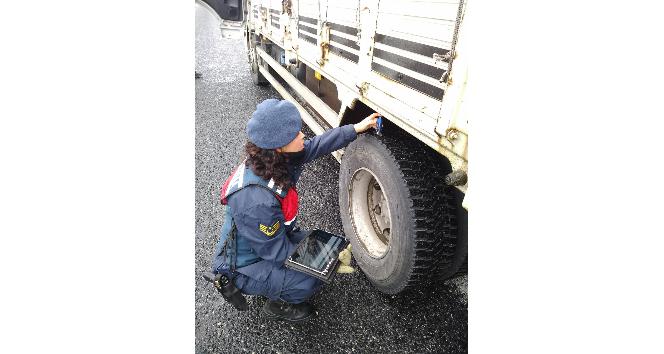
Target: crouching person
[(260, 195)]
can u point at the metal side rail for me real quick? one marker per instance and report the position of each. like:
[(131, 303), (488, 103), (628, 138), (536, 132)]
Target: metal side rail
[(329, 115), (306, 117)]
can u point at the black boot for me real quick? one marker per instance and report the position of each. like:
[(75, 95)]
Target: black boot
[(279, 310)]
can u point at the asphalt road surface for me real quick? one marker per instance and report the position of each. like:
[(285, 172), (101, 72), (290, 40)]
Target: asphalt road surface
[(352, 315)]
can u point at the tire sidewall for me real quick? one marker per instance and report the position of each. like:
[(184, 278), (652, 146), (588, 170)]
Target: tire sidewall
[(256, 77), (254, 73), (391, 272)]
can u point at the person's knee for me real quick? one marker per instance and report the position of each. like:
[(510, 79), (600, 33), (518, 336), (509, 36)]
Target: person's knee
[(303, 292), (250, 286)]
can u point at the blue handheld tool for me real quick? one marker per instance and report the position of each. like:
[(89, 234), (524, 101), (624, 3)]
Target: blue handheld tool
[(379, 126)]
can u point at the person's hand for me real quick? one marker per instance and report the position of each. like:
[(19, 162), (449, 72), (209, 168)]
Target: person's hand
[(366, 123), (344, 258)]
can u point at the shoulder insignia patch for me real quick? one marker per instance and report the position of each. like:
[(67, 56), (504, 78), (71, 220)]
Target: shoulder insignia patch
[(269, 230)]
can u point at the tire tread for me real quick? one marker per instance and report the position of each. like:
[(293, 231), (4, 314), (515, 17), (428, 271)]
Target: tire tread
[(432, 212)]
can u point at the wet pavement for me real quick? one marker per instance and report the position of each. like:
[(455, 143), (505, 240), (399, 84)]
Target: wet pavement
[(352, 315)]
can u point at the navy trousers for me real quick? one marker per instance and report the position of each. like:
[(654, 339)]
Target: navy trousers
[(282, 283)]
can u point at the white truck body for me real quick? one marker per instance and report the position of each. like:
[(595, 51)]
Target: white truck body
[(338, 61), (394, 56)]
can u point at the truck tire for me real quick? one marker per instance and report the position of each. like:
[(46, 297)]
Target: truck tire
[(397, 212), (256, 77)]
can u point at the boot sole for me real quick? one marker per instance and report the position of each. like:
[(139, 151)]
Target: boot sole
[(270, 316)]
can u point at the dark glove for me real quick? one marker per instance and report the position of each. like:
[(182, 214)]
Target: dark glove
[(228, 290)]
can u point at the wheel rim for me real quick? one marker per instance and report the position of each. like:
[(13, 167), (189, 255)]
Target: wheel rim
[(254, 62), (370, 212)]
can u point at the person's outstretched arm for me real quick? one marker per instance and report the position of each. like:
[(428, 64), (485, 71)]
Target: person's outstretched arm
[(335, 139)]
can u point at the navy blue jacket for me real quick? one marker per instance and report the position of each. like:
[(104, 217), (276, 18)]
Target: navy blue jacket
[(264, 239)]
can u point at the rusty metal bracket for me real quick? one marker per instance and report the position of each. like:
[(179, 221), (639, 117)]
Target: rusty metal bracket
[(451, 134), (363, 87), (263, 12), (324, 43), (286, 7)]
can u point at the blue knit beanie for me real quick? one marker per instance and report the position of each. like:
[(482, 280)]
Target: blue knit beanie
[(274, 124)]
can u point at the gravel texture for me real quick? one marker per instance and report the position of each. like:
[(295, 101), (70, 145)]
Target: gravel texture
[(352, 315)]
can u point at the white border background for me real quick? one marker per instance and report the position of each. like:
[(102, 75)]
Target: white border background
[(97, 189), (97, 145)]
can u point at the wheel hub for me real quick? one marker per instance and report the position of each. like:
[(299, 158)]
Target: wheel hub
[(370, 212)]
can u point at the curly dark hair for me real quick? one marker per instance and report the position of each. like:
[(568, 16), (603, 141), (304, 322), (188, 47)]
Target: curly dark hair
[(268, 164)]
